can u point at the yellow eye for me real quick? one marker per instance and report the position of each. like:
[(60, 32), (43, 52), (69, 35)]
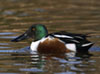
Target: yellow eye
[(33, 29)]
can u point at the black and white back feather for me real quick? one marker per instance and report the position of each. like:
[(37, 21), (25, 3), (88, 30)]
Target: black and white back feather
[(69, 37), (80, 40)]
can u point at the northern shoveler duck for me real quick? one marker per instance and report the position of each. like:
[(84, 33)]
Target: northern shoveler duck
[(58, 42)]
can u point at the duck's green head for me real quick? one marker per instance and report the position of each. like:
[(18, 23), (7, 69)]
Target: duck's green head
[(40, 31), (36, 31)]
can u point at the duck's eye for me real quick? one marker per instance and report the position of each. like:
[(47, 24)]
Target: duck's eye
[(33, 29)]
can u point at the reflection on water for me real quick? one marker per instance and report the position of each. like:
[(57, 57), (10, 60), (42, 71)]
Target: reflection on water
[(23, 61), (35, 63), (79, 16)]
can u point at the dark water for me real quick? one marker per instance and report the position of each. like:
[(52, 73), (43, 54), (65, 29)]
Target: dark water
[(77, 16)]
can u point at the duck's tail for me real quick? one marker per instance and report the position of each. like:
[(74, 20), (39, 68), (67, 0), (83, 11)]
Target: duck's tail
[(85, 47)]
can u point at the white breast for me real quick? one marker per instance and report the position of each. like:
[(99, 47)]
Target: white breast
[(34, 45)]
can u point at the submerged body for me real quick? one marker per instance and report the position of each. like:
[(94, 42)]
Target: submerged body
[(58, 42)]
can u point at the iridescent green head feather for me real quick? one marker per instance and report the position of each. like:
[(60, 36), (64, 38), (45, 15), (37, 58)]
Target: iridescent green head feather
[(40, 31)]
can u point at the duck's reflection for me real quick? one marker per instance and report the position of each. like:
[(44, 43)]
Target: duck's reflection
[(37, 62), (62, 64)]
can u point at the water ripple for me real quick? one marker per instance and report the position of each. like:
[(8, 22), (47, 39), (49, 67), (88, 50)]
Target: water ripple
[(8, 13), (31, 69), (4, 47), (8, 37), (95, 48), (4, 44), (7, 33)]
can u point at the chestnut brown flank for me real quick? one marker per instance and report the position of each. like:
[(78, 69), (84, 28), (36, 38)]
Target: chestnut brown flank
[(52, 46)]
